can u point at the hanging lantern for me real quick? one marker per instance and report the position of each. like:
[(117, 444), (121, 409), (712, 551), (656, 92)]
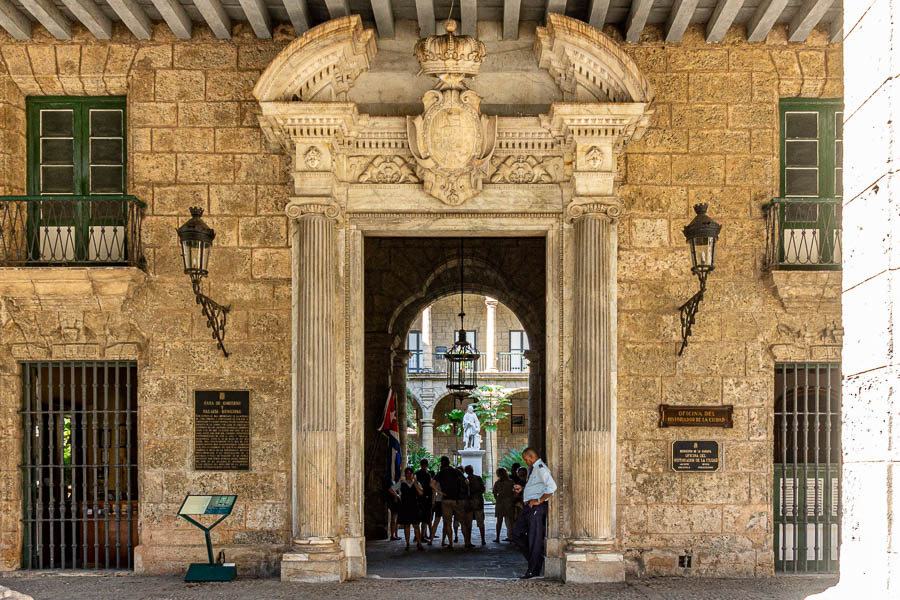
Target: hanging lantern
[(462, 360)]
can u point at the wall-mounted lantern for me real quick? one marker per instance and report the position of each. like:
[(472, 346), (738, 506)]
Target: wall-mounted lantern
[(196, 238), (701, 234)]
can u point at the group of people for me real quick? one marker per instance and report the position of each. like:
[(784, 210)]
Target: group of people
[(421, 499)]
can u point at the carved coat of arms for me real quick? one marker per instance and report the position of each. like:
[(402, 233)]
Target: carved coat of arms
[(451, 141)]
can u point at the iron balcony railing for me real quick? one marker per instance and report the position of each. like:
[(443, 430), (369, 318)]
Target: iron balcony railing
[(507, 362), (803, 233), (70, 231), (512, 362)]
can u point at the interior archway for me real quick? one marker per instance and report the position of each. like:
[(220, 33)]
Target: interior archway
[(404, 276)]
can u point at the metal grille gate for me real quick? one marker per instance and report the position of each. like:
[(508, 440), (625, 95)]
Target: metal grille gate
[(79, 464), (807, 467)]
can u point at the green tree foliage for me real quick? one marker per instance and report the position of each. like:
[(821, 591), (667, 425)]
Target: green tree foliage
[(513, 456)]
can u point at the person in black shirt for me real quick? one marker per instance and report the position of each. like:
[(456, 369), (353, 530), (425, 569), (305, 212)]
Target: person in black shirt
[(514, 474), (424, 479), (475, 504), (452, 487)]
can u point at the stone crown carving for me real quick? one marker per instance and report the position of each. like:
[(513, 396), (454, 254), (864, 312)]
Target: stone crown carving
[(448, 54)]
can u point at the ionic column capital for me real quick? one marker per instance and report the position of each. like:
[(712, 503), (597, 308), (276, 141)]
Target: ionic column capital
[(607, 207), (298, 208)]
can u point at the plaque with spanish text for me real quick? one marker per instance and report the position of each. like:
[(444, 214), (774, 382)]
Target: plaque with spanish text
[(695, 456), (696, 416), (221, 430)]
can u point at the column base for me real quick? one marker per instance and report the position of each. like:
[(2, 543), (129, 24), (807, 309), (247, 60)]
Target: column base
[(354, 549), (592, 563), (314, 560)]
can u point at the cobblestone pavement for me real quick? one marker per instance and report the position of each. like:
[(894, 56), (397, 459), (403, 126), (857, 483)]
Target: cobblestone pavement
[(132, 587)]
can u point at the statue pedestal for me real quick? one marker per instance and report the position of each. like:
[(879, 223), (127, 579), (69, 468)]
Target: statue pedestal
[(472, 457)]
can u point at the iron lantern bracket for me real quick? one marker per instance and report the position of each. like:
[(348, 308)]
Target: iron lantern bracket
[(689, 311), (216, 314)]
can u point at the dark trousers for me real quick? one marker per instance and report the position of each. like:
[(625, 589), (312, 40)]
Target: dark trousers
[(528, 535)]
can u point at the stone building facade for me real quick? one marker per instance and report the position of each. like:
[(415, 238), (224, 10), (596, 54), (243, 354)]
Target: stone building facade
[(198, 135)]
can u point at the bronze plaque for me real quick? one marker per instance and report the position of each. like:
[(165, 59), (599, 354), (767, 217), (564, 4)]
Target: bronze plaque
[(221, 430), (695, 456), (695, 416)]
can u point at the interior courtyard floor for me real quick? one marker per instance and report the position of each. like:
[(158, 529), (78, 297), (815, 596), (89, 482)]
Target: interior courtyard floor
[(388, 559)]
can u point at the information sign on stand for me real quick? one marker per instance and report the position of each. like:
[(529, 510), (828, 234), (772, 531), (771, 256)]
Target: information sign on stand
[(220, 505)]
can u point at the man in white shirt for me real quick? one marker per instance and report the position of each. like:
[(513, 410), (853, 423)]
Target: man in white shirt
[(528, 530)]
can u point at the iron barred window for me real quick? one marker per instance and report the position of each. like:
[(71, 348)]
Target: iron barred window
[(79, 468), (807, 459)]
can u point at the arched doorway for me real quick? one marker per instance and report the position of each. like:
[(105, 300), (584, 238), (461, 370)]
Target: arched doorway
[(362, 173), (404, 278)]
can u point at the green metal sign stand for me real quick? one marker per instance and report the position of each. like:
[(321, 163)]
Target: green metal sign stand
[(208, 505)]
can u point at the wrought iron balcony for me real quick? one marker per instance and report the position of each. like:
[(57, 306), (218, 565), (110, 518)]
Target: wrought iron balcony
[(803, 233), (512, 362), (507, 362), (71, 231)]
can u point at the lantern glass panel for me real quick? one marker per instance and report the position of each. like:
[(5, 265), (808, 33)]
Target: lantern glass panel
[(703, 253), (196, 256)]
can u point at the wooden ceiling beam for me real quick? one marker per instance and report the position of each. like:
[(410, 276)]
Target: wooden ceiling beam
[(468, 10), (216, 17), (722, 19), (679, 19), (50, 17), (91, 17), (511, 11), (14, 21), (384, 18), (555, 6), (763, 19), (808, 16), (425, 14), (176, 18), (837, 29), (597, 13), (134, 17), (637, 19), (338, 8), (298, 12), (258, 16)]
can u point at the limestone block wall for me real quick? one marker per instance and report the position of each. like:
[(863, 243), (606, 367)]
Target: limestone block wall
[(193, 140), (714, 139)]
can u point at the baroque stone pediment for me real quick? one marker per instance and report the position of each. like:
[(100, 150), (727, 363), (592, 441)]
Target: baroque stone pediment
[(451, 149)]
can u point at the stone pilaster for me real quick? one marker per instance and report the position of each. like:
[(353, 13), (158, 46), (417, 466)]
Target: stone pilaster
[(536, 420), (399, 364), (590, 555), (316, 554)]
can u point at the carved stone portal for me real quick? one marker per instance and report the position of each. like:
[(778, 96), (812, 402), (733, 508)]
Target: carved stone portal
[(451, 141)]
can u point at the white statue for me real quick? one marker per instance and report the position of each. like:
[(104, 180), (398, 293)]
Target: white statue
[(471, 428)]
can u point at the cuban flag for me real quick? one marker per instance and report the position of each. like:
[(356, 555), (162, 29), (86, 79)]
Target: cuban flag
[(390, 428)]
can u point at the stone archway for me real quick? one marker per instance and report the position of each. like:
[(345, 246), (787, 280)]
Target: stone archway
[(356, 176)]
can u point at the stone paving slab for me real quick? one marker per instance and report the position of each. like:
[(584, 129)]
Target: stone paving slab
[(171, 587)]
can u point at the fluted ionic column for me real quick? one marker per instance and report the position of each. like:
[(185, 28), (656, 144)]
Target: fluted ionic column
[(593, 401), (399, 365), (316, 545)]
